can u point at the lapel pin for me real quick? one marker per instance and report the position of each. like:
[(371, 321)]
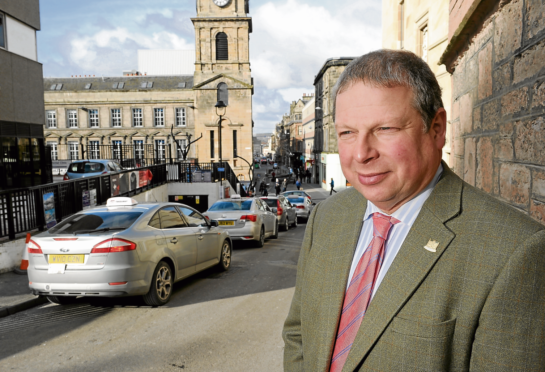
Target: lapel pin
[(431, 246)]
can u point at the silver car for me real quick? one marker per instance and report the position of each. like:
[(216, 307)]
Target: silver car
[(125, 249), (91, 168), (245, 218), (303, 205), (285, 212)]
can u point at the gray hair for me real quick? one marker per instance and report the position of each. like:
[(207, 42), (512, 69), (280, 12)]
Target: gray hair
[(392, 68)]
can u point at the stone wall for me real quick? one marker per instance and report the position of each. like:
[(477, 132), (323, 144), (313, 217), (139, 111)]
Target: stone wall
[(498, 104)]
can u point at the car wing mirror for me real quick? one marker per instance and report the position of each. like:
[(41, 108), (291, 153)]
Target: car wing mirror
[(313, 203), (274, 210), (214, 223)]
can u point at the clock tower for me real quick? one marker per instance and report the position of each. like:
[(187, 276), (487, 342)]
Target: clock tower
[(222, 72)]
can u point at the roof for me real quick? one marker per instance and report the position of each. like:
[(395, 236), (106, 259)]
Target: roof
[(338, 61), (128, 83)]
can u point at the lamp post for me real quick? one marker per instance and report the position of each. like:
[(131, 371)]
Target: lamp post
[(250, 175), (220, 111)]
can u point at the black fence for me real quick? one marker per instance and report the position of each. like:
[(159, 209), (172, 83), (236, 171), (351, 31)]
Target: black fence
[(22, 210)]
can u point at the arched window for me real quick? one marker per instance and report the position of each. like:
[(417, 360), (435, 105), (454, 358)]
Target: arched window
[(222, 48), (223, 93)]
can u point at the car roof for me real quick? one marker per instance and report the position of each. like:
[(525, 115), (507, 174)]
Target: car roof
[(93, 161), (146, 206)]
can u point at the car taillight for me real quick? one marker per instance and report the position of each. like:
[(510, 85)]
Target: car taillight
[(249, 217), (114, 245), (300, 207), (65, 178), (279, 209), (208, 218), (104, 172), (34, 248)]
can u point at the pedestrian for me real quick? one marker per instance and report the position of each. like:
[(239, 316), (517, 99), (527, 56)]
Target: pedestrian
[(332, 184), (273, 175), (284, 185), (265, 192), (277, 188), (262, 187), (412, 268), (298, 184), (308, 176)]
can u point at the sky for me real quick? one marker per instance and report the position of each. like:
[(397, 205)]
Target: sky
[(290, 42)]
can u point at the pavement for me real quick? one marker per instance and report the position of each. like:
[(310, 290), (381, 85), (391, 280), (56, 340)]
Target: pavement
[(15, 295)]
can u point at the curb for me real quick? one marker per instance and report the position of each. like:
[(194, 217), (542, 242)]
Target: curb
[(28, 304)]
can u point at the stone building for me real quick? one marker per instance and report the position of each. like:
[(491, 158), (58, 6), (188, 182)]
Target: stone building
[(23, 161), (495, 54), (140, 110), (325, 138), (422, 28), (308, 124)]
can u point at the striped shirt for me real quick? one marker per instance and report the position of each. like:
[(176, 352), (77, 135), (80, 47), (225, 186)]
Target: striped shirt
[(406, 214)]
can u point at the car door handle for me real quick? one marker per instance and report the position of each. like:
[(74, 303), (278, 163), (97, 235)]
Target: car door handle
[(201, 237), (174, 240)]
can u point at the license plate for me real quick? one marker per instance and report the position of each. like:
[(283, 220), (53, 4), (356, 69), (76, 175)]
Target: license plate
[(68, 259), (226, 223)]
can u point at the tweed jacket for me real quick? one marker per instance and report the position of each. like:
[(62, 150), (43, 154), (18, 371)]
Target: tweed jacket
[(476, 304)]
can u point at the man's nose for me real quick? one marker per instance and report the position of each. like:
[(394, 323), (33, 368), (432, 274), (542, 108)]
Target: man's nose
[(365, 149)]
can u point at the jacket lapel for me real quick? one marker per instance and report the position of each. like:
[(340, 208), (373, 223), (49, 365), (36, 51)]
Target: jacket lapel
[(340, 255), (411, 265)]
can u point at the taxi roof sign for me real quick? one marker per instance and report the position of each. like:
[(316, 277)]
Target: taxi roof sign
[(235, 196), (121, 202)]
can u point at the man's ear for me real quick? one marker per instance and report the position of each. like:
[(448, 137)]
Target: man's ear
[(438, 128)]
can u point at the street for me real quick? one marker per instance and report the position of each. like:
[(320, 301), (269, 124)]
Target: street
[(215, 321)]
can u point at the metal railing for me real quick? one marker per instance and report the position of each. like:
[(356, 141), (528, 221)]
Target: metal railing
[(22, 210)]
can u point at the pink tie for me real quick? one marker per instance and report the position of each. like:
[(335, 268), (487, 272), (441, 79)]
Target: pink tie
[(358, 294)]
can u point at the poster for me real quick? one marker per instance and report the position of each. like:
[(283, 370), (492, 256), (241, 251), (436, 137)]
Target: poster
[(124, 183), (93, 198), (86, 199), (133, 181), (144, 178), (49, 209), (114, 184)]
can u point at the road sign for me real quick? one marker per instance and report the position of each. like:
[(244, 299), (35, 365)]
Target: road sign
[(221, 169)]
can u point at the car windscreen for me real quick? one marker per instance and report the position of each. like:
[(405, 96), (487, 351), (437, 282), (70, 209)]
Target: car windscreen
[(296, 200), (231, 206), (96, 221), (271, 202), (85, 167)]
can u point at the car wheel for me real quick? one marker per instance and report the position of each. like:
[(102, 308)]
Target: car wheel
[(161, 286), (275, 236), (261, 241), (295, 221), (286, 225), (225, 259), (61, 300)]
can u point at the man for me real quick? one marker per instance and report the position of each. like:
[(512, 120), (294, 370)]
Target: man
[(412, 269), (332, 184)]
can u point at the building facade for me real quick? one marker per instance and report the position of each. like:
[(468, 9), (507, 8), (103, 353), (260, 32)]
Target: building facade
[(422, 28), (158, 115), (495, 54), (24, 161), (328, 164), (308, 134)]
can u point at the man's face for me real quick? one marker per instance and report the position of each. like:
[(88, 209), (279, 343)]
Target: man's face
[(384, 152)]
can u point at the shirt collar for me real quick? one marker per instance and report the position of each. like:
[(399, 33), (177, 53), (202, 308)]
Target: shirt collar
[(412, 205)]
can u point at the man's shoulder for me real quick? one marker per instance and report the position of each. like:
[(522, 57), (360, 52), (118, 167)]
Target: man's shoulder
[(343, 202)]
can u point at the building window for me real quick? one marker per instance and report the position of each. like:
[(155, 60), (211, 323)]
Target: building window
[(235, 150), (138, 149), (72, 116), (54, 150), (116, 118), (136, 117), (401, 24), (93, 118), (223, 93), (222, 47), (160, 149), (2, 32), (73, 150), (182, 143), (116, 149), (159, 115), (94, 150), (212, 155), (424, 43), (180, 117), (51, 116)]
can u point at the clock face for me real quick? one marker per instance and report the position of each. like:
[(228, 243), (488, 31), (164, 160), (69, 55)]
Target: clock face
[(222, 3)]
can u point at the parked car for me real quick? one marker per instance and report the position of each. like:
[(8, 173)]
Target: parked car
[(287, 194), (303, 205), (125, 249), (285, 212), (90, 168), (275, 166), (245, 218), (264, 160)]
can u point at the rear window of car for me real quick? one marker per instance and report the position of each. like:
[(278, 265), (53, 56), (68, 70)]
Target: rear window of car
[(85, 167), (94, 221), (231, 206), (271, 202), (296, 200)]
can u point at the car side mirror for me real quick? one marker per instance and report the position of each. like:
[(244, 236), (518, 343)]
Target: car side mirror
[(274, 210), (214, 223), (313, 203)]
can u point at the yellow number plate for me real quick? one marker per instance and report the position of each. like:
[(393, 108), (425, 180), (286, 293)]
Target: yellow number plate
[(66, 259), (227, 223)]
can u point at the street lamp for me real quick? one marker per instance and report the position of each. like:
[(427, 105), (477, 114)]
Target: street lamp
[(250, 175), (220, 111)]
